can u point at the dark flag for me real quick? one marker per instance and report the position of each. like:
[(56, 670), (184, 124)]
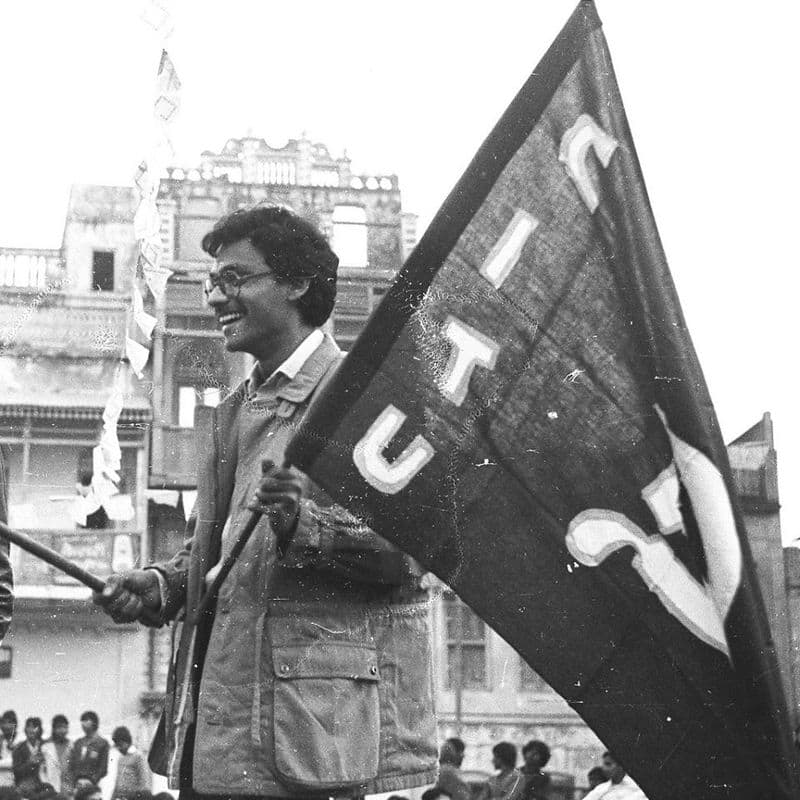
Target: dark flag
[(525, 414)]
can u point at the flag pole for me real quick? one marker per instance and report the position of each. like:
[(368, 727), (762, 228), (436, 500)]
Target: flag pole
[(50, 556), (55, 559)]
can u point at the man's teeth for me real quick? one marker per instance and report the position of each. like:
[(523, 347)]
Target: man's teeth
[(226, 319)]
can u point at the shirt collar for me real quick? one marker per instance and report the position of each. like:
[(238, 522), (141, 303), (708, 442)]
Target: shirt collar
[(291, 366), (305, 380)]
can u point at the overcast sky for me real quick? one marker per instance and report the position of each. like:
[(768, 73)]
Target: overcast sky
[(413, 88)]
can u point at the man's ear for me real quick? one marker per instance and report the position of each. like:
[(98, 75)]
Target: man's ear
[(297, 288)]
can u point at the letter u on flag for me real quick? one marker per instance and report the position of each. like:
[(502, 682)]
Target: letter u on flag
[(525, 414)]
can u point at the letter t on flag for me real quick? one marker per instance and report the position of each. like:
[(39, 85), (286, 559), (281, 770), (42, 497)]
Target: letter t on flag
[(525, 415)]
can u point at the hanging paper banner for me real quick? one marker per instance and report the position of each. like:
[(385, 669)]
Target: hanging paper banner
[(159, 19), (156, 279), (145, 321), (168, 99), (164, 497), (104, 480), (189, 498), (137, 355), (120, 508)]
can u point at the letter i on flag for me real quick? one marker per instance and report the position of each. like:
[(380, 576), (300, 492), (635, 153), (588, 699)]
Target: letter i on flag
[(525, 414)]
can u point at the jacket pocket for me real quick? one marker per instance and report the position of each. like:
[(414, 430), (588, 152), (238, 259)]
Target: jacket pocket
[(326, 714)]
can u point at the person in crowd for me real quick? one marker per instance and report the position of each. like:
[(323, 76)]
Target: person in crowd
[(88, 759), (458, 747), (315, 598), (28, 760), (595, 776), (8, 741), (450, 781), (535, 784), (88, 791), (618, 785), (96, 515), (56, 752), (132, 778), (507, 779)]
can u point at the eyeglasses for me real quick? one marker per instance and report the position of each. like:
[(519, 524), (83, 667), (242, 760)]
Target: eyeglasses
[(229, 282)]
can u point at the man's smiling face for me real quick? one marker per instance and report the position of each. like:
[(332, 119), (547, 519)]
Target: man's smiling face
[(256, 321)]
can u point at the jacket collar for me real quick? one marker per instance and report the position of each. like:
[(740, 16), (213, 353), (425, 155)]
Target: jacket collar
[(307, 378)]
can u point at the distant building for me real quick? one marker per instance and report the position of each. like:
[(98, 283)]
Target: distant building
[(501, 698), (63, 316), (63, 319), (62, 323)]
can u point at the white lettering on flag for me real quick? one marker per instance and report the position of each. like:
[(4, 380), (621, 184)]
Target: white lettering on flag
[(662, 496), (715, 519), (701, 607), (596, 533), (575, 144), (387, 477), (504, 255), (470, 349)]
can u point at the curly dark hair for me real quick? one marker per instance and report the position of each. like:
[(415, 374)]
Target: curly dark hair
[(539, 747), (292, 248), (506, 754)]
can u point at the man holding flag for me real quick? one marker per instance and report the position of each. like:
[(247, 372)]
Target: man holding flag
[(308, 672), (526, 409)]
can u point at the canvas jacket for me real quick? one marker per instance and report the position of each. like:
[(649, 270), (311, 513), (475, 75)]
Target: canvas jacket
[(313, 673)]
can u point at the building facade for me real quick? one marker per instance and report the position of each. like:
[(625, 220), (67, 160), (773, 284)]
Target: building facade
[(65, 313), (486, 693), (63, 320)]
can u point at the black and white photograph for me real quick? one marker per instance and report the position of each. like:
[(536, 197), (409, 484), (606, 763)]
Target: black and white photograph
[(397, 401)]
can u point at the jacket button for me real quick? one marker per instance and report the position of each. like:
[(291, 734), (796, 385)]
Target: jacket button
[(373, 670), (284, 668)]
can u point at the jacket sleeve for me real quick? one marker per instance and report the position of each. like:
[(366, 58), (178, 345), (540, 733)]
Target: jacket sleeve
[(174, 573), (22, 764), (330, 538), (102, 766)]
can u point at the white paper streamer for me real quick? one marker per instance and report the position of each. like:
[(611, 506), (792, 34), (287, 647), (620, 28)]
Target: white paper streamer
[(137, 354), (168, 86), (166, 497), (189, 499), (145, 321)]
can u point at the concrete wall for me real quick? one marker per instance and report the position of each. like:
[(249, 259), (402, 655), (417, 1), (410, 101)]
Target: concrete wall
[(68, 658)]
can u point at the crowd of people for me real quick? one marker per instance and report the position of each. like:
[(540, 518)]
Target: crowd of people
[(528, 782), (33, 767)]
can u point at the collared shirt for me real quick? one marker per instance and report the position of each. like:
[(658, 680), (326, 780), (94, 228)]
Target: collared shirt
[(626, 789), (291, 366), (6, 750)]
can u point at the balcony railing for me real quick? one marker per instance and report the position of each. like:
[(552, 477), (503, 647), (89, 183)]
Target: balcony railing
[(31, 268)]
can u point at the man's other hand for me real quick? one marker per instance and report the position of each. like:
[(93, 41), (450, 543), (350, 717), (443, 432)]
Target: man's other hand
[(278, 496), (127, 594)]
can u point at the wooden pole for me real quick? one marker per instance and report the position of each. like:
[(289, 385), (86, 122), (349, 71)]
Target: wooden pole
[(25, 542), (50, 556)]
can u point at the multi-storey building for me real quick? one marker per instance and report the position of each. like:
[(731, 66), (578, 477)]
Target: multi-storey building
[(64, 317), (65, 314)]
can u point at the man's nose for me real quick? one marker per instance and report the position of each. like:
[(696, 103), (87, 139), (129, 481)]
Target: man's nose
[(216, 297)]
